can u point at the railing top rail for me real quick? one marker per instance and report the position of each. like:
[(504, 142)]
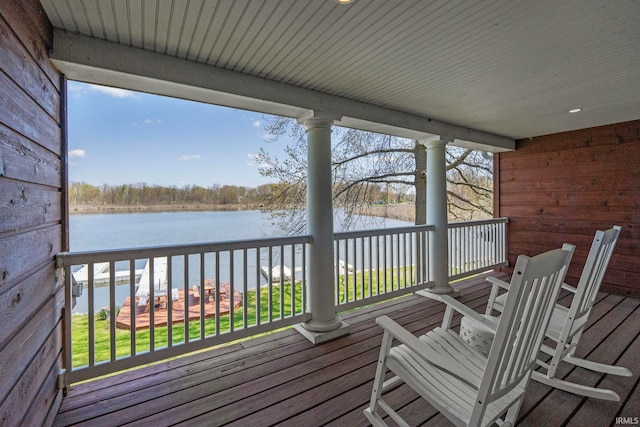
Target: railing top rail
[(64, 259), (82, 257), (382, 231), (503, 220)]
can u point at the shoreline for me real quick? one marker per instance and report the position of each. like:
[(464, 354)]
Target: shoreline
[(86, 209), (403, 212)]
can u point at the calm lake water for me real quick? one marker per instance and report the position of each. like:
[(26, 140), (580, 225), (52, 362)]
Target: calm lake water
[(128, 230)]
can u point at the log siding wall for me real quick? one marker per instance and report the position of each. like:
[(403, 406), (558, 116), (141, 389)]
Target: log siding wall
[(31, 217), (561, 188)]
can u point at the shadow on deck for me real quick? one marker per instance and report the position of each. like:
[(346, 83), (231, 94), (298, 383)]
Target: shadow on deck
[(281, 379)]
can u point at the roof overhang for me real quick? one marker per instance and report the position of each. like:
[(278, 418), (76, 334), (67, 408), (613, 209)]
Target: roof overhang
[(102, 62)]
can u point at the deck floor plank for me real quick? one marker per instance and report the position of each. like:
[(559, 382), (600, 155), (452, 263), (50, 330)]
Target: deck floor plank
[(598, 344), (594, 412), (281, 379), (631, 407)]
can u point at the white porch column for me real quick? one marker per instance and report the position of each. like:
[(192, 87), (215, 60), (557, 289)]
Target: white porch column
[(325, 324), (437, 214)]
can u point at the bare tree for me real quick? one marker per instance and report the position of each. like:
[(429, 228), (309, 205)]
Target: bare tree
[(366, 165)]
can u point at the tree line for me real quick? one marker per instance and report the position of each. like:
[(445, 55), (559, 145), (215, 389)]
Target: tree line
[(142, 194)]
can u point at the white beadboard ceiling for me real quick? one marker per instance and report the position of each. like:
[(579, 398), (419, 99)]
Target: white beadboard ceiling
[(511, 68)]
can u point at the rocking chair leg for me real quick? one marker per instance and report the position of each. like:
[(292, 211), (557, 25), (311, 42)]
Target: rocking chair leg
[(574, 388), (512, 414), (554, 364), (378, 383), (374, 418)]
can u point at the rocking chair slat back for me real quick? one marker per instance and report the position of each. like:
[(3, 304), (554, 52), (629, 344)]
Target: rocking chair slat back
[(594, 269), (534, 289)]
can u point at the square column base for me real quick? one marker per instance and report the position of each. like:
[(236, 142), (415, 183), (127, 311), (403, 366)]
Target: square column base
[(320, 337), (427, 293)]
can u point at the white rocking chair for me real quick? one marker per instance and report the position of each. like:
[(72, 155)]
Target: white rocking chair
[(465, 386), (567, 324)]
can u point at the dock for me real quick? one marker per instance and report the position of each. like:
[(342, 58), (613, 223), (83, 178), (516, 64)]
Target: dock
[(102, 275), (277, 275), (159, 279), (285, 275)]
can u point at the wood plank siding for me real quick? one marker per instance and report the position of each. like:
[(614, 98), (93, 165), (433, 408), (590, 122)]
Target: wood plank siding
[(31, 217), (283, 380), (561, 188)]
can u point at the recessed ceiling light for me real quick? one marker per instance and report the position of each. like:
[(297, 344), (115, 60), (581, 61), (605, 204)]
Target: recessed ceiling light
[(575, 110), (344, 1)]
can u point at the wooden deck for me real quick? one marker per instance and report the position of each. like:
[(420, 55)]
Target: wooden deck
[(281, 379), (161, 310)]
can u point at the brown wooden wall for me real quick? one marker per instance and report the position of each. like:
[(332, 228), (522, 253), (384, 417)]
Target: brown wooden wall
[(563, 187), (31, 217)]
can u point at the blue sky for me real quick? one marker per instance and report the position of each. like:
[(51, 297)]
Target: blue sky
[(118, 136)]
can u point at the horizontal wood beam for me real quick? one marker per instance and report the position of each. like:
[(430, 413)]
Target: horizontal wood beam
[(101, 62)]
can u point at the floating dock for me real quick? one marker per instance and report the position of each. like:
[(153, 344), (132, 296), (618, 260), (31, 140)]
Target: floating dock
[(285, 275), (102, 275)]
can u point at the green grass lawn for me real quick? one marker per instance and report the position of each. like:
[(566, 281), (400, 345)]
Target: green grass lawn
[(366, 284), (354, 286)]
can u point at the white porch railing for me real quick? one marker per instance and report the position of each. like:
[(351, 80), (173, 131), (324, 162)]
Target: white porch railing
[(226, 291), (135, 301), (376, 265), (476, 246)]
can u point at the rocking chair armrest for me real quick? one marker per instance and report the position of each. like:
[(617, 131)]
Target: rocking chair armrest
[(497, 282), (569, 288), (460, 308), (422, 350)]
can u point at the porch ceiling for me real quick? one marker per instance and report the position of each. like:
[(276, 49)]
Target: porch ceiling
[(486, 72)]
